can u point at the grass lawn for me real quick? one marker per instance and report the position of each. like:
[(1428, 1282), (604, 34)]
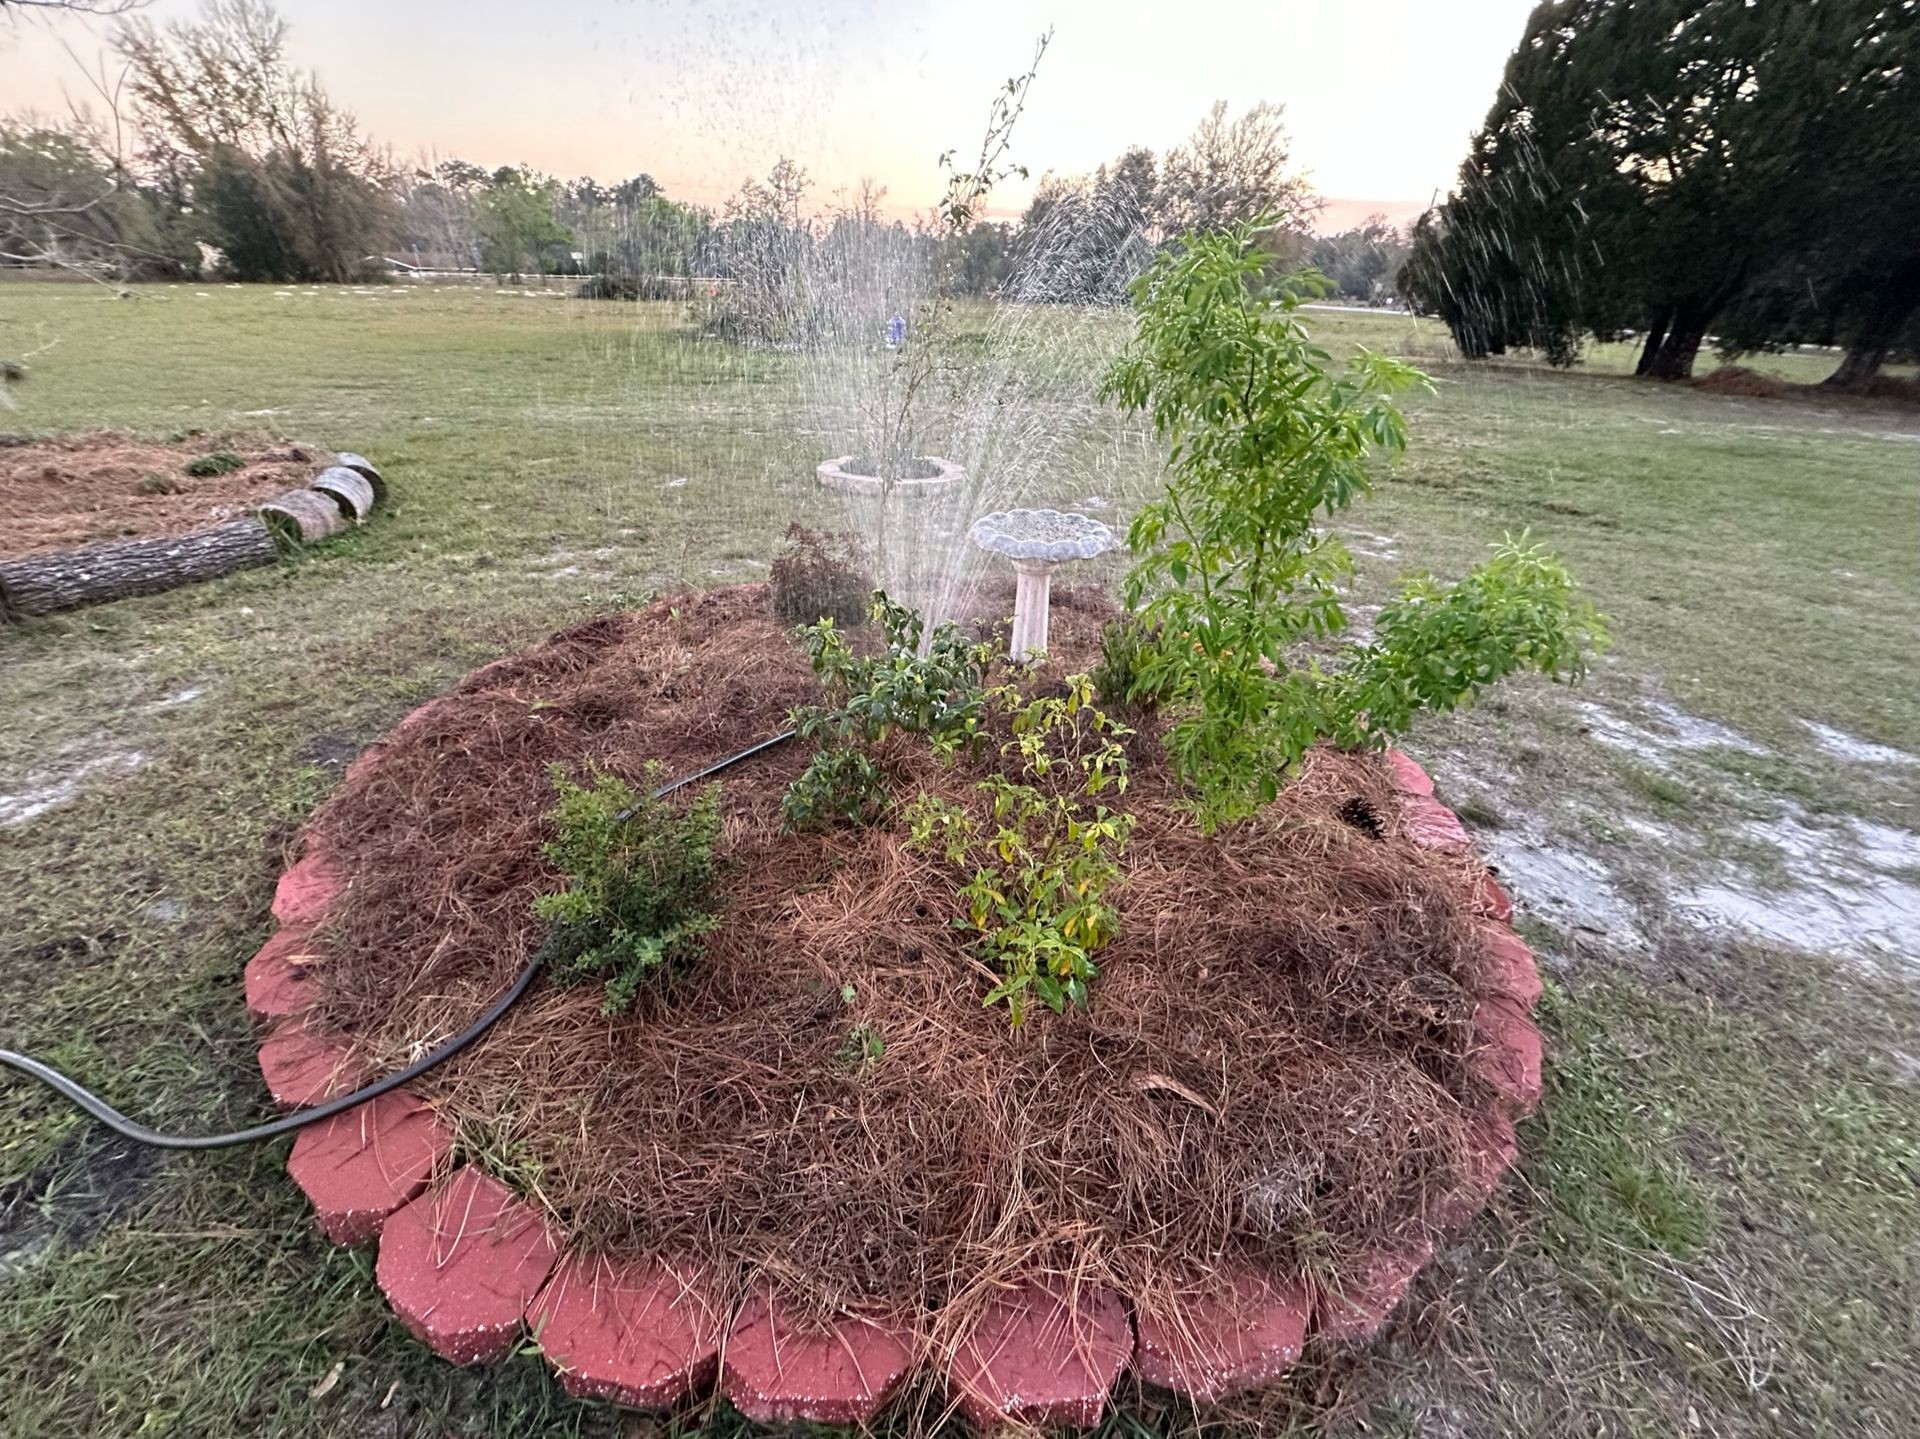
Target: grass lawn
[(1716, 1225)]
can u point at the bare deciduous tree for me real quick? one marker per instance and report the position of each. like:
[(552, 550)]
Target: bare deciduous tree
[(1233, 170), (295, 190)]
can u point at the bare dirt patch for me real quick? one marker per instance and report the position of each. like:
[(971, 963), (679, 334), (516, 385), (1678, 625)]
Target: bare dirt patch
[(62, 492), (1274, 1067)]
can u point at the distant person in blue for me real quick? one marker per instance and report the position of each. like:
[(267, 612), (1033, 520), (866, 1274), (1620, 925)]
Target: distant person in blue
[(896, 332)]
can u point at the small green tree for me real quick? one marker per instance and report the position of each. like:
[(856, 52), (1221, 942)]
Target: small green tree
[(639, 893), (1231, 570), (516, 223)]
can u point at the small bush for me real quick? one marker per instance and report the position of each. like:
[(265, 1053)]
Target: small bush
[(1042, 860), (820, 576), (220, 462), (618, 286), (639, 896), (1122, 677), (940, 694)]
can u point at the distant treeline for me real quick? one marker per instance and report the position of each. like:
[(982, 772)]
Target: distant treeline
[(219, 157), (1688, 169)]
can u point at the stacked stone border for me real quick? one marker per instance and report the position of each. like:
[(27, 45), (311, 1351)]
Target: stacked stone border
[(340, 496), (469, 1268)]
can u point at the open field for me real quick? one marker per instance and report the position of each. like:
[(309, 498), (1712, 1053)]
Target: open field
[(1715, 842)]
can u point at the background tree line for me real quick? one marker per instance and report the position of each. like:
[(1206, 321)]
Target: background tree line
[(1679, 169), (215, 154)]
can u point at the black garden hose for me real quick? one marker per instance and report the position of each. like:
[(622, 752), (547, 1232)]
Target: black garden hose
[(86, 1099)]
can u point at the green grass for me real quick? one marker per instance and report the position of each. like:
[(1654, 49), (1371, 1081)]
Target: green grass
[(1717, 1211)]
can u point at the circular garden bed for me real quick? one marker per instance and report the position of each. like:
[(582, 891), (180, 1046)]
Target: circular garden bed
[(100, 516), (814, 1165)]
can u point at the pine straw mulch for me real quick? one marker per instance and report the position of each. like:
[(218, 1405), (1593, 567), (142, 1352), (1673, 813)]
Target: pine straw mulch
[(65, 491), (1273, 1065)]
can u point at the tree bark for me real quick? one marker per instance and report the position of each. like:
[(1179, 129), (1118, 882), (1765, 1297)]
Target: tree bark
[(1860, 364), (1656, 337), (348, 488), (45, 584), (1674, 359), (299, 517), (1899, 297)]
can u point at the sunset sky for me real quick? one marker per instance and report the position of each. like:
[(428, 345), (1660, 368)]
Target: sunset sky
[(1380, 96)]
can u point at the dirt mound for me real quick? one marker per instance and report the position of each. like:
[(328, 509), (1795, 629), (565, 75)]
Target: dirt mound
[(61, 492), (1274, 1064), (1903, 389), (1739, 380)]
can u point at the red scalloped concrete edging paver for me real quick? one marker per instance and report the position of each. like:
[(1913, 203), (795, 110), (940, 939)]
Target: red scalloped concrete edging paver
[(778, 1370), (305, 891), (1508, 969), (1246, 1333), (362, 1164), (1489, 1153), (1494, 902), (1041, 1355), (1408, 777), (303, 1068), (1356, 1312), (277, 979), (1507, 1053), (639, 1332), (461, 1263), (1431, 825)]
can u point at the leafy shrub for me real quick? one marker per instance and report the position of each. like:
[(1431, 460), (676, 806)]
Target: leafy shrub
[(1232, 569), (1042, 861), (625, 285), (639, 893), (940, 694), (220, 462), (1126, 647), (820, 576)]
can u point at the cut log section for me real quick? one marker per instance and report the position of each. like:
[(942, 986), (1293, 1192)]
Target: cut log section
[(45, 584), (349, 489), (363, 467), (300, 517)]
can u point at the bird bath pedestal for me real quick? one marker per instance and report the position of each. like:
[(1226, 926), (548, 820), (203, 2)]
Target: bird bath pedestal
[(1036, 541)]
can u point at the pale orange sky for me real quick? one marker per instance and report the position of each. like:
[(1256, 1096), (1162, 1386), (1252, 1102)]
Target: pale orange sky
[(1380, 97)]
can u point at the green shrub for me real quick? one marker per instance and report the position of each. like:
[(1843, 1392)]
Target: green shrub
[(219, 462), (1043, 860), (639, 895), (1232, 569), (940, 694), (820, 576), (1126, 649)]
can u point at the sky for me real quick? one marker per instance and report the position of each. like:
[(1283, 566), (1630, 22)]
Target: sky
[(1380, 95)]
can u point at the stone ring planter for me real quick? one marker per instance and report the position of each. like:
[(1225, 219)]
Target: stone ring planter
[(338, 497), (468, 1267), (835, 475)]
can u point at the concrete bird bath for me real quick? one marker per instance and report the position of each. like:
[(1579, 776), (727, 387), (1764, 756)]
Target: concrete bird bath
[(1036, 541)]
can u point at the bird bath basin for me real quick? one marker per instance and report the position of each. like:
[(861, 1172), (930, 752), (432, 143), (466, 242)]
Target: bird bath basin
[(1036, 541)]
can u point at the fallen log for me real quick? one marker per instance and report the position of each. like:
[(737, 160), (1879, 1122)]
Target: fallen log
[(349, 489), (299, 517), (45, 584), (363, 467)]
